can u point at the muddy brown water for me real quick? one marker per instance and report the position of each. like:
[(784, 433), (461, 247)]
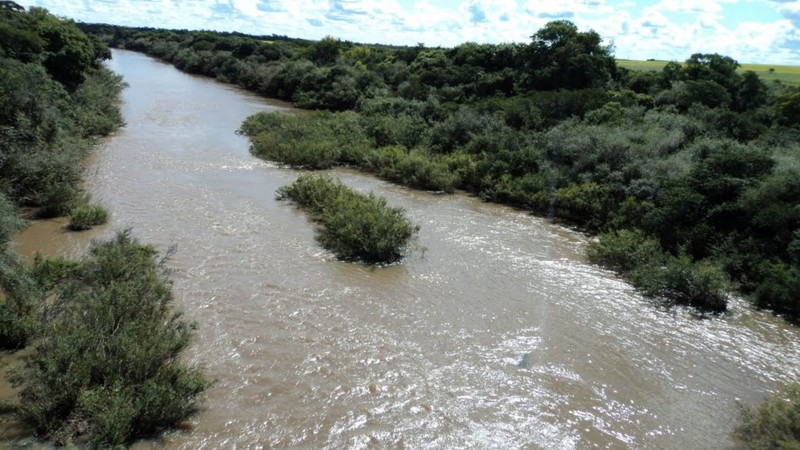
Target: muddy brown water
[(493, 333)]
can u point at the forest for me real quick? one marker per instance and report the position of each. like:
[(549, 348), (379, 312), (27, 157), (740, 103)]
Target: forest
[(688, 175)]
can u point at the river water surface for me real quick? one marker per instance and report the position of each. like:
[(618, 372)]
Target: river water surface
[(493, 333)]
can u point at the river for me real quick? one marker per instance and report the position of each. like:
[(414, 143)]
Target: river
[(493, 333)]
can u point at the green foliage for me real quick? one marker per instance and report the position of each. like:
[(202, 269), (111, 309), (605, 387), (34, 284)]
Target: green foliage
[(20, 299), (586, 203), (326, 50), (68, 52), (84, 217), (50, 273), (53, 96), (775, 424), (20, 40), (712, 67), (458, 129), (10, 223), (682, 281), (787, 108), (625, 250), (779, 289), (355, 227), (561, 57), (19, 295), (97, 109), (315, 141), (395, 121), (610, 113), (675, 279), (106, 367), (412, 168)]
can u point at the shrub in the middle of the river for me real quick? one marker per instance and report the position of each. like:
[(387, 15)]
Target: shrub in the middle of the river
[(355, 226)]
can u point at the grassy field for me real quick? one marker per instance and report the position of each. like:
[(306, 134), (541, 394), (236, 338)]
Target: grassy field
[(641, 65), (788, 75)]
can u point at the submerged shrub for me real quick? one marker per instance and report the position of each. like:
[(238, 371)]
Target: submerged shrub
[(107, 369), (775, 424), (85, 217), (675, 279), (355, 227)]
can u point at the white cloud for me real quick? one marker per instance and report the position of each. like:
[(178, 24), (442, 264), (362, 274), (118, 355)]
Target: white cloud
[(668, 29), (689, 6)]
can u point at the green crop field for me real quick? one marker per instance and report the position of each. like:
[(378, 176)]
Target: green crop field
[(641, 65), (788, 75)]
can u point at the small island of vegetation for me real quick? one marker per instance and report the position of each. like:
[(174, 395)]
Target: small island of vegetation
[(355, 227)]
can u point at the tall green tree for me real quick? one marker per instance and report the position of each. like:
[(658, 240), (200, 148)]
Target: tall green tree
[(68, 52), (713, 67), (561, 57)]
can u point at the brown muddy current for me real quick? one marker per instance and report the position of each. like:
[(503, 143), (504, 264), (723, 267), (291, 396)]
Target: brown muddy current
[(493, 333)]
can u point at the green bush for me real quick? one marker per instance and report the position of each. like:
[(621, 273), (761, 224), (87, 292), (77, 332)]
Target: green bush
[(775, 424), (314, 141), (49, 273), (587, 204), (355, 227), (413, 168), (59, 199), (625, 250), (682, 281), (85, 217), (779, 289), (98, 112), (674, 279), (20, 299), (10, 223), (106, 368)]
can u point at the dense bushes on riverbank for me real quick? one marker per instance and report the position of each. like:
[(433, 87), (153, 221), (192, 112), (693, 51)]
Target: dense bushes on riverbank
[(55, 96), (774, 424), (657, 273), (106, 365), (699, 157), (355, 227), (103, 364)]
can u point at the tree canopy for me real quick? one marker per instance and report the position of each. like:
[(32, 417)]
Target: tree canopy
[(561, 57)]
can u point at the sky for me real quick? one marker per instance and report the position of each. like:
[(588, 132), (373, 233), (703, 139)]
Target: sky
[(750, 31)]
